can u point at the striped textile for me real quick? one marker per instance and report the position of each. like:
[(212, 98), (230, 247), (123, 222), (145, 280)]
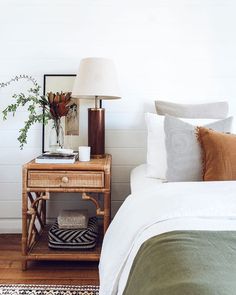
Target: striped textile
[(74, 238), (20, 289)]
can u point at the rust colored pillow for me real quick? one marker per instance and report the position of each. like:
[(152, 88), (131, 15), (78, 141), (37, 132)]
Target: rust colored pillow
[(218, 154)]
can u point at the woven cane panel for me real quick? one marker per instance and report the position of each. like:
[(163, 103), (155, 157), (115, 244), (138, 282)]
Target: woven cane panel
[(65, 179)]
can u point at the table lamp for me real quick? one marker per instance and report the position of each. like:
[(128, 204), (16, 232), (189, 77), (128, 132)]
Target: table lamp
[(96, 79)]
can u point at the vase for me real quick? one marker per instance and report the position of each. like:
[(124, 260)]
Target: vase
[(56, 139)]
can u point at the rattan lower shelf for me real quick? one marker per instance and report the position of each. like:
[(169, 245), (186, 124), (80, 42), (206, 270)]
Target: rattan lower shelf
[(41, 251)]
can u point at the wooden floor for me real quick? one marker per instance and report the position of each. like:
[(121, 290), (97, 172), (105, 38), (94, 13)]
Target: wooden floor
[(69, 273)]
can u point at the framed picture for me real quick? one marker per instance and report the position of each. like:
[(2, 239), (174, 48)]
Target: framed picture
[(75, 124)]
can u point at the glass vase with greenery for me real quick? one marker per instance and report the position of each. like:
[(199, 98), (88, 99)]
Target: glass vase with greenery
[(41, 108)]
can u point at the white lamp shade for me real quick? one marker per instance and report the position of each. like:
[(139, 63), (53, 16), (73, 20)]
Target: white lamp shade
[(96, 77)]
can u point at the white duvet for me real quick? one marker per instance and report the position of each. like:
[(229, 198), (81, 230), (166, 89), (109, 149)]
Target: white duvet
[(173, 206)]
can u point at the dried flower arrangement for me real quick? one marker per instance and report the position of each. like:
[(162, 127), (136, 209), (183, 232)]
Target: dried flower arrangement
[(58, 106), (58, 103), (55, 106)]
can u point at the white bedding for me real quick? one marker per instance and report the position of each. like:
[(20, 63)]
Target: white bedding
[(139, 181), (172, 206)]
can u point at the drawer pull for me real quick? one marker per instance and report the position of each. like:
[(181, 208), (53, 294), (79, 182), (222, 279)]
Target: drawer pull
[(65, 179)]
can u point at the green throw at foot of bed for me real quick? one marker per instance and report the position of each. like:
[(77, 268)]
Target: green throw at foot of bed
[(185, 262)]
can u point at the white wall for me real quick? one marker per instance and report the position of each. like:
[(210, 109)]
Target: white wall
[(174, 50)]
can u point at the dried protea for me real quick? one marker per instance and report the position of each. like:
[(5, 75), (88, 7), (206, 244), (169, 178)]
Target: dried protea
[(59, 104)]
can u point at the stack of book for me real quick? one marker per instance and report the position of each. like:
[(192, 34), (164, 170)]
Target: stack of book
[(56, 158)]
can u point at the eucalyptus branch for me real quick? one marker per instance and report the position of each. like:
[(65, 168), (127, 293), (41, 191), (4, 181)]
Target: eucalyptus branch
[(24, 131), (33, 100), (17, 78)]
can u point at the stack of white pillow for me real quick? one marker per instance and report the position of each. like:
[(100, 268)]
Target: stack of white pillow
[(173, 153)]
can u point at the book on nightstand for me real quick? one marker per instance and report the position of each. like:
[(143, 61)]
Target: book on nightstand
[(56, 158)]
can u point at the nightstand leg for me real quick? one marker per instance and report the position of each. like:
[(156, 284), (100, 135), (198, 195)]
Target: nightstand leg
[(44, 215), (24, 238), (107, 210)]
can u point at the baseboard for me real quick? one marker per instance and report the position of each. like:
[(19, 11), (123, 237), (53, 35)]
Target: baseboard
[(10, 226), (13, 226)]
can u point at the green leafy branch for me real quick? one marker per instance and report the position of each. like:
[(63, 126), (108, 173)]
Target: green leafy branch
[(34, 101)]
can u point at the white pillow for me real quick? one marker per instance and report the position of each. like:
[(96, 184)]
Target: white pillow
[(211, 110), (156, 150)]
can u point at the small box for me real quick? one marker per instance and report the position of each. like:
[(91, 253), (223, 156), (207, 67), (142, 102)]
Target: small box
[(72, 219)]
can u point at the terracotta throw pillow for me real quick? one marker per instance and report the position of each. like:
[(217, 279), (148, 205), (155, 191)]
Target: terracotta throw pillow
[(218, 154)]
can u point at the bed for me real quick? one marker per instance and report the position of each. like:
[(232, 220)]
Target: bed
[(198, 207), (171, 238)]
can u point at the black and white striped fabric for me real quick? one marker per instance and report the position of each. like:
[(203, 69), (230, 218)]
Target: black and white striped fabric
[(74, 238)]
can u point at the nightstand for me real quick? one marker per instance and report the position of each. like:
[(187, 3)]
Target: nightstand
[(38, 181)]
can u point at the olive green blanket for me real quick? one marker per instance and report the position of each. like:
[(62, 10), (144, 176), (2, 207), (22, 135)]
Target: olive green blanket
[(185, 262)]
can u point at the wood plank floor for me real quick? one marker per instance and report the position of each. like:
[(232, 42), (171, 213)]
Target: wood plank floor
[(43, 272)]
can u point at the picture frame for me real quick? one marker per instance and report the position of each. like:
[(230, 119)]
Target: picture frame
[(75, 124)]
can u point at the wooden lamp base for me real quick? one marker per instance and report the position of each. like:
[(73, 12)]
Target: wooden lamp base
[(96, 131)]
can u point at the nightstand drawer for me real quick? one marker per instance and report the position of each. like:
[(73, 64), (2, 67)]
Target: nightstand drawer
[(66, 179)]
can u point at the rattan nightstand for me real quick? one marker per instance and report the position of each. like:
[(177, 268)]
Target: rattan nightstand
[(41, 179)]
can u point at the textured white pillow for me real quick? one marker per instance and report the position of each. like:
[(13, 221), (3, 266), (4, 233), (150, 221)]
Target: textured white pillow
[(184, 161), (156, 150)]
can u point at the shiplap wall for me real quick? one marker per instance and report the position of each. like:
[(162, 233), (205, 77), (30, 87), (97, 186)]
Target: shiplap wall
[(173, 50)]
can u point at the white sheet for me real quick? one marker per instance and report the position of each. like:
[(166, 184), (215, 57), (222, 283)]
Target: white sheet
[(175, 206), (139, 180)]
